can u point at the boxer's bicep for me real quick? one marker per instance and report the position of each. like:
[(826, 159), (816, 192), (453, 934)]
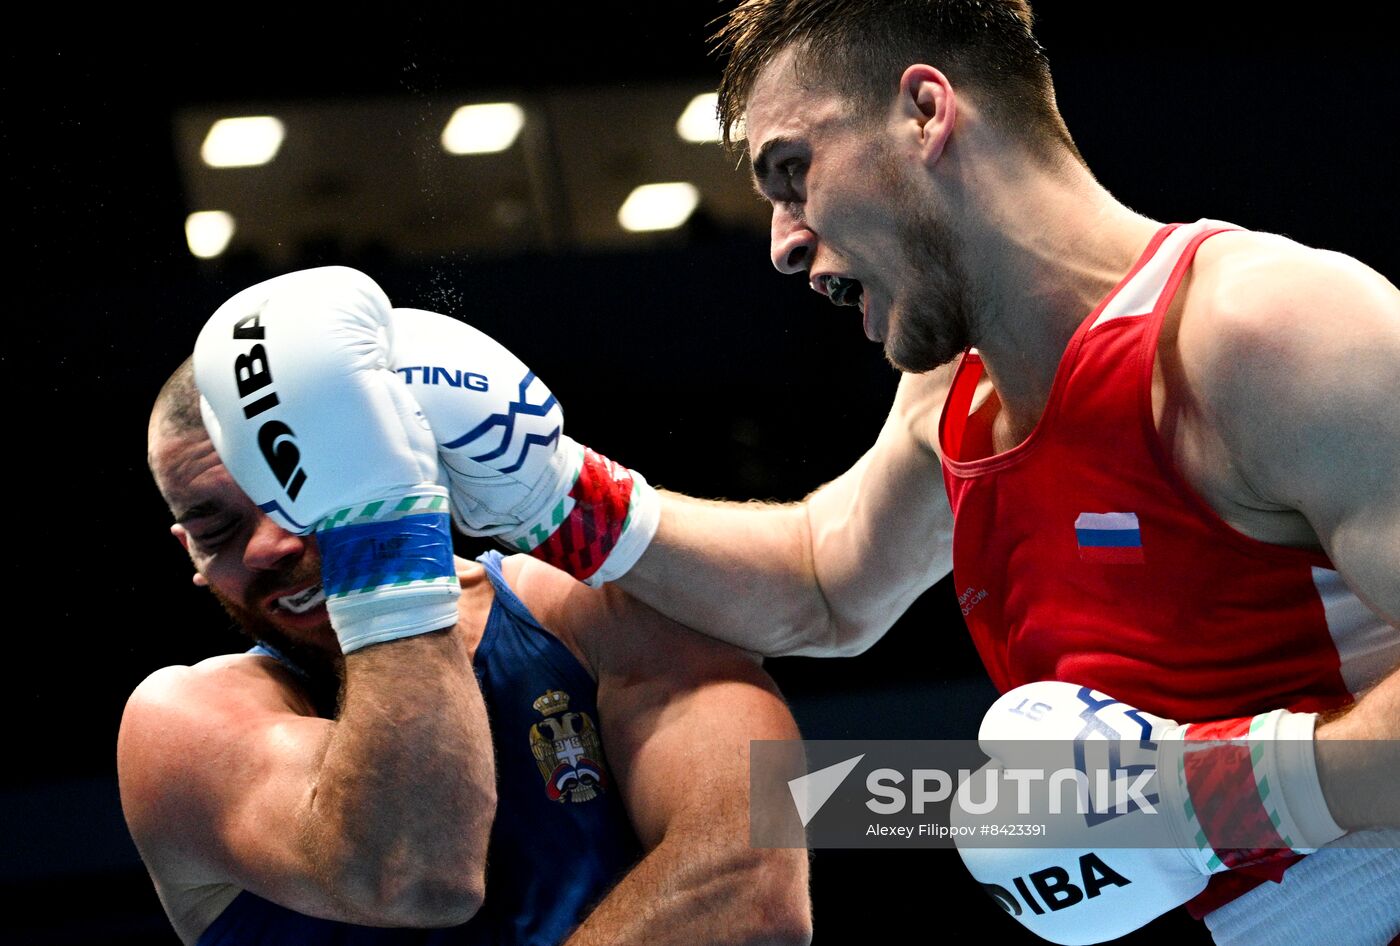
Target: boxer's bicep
[(1360, 529), (678, 713), (825, 577), (686, 760)]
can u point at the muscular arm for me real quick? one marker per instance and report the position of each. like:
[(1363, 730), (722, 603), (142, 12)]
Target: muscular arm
[(1299, 369), (825, 577), (379, 817), (678, 711)]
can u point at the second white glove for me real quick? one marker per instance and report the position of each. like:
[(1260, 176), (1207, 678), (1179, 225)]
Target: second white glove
[(512, 471), (1160, 808)]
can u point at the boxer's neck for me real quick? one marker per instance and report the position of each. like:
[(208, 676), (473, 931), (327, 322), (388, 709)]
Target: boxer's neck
[(1047, 246)]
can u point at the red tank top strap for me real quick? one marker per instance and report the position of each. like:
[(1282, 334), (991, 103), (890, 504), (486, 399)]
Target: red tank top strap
[(1150, 339), (1153, 328), (953, 424), (954, 421)]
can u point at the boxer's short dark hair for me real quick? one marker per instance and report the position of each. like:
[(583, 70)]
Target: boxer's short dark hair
[(860, 48), (178, 401)]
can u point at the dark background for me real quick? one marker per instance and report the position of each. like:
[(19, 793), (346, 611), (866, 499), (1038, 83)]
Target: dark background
[(692, 362)]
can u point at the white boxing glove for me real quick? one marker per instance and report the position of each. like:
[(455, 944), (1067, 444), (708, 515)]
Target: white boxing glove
[(1141, 810), (512, 471), (312, 423)]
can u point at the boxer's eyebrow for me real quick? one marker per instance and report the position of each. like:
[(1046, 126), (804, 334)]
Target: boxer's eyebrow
[(763, 161), (198, 511)]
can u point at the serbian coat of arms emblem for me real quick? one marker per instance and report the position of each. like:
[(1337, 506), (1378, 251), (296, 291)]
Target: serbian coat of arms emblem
[(567, 750)]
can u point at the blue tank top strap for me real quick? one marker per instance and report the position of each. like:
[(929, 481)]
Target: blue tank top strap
[(323, 689), (264, 649), (492, 561)]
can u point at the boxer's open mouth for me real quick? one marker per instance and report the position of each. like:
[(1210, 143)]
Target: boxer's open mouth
[(303, 601), (842, 290)]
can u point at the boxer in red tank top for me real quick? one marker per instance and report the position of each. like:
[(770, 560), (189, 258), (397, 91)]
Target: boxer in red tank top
[(1176, 485), (1081, 554)]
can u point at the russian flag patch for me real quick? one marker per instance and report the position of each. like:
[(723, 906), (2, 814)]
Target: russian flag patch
[(1109, 538)]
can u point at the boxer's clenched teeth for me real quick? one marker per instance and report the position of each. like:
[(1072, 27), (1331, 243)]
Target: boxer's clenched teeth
[(303, 601), (845, 291)]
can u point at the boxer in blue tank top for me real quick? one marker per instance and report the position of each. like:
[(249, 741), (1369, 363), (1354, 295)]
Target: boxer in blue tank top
[(598, 793), (561, 836)]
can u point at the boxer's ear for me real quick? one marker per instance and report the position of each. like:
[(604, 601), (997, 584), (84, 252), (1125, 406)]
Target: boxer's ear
[(927, 99), (183, 537)]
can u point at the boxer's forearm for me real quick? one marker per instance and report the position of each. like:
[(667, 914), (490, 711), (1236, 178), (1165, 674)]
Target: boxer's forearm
[(739, 572), (825, 577), (1358, 760), (401, 811)]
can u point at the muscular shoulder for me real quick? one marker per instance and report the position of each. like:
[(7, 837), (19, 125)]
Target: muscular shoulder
[(180, 720), (1278, 341), (229, 682), (1261, 288)]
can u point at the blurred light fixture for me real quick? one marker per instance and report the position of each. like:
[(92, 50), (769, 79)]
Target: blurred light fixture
[(208, 232), (658, 206), (242, 142), (483, 129), (700, 120)]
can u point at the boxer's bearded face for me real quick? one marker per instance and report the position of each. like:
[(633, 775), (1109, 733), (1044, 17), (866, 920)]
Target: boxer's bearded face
[(265, 577), (855, 210), (931, 322), (306, 649)]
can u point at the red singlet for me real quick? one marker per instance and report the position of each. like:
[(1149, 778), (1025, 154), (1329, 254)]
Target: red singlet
[(1083, 555)]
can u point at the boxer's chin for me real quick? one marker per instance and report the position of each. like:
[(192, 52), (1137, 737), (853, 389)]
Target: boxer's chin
[(934, 322), (920, 343), (314, 650)]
